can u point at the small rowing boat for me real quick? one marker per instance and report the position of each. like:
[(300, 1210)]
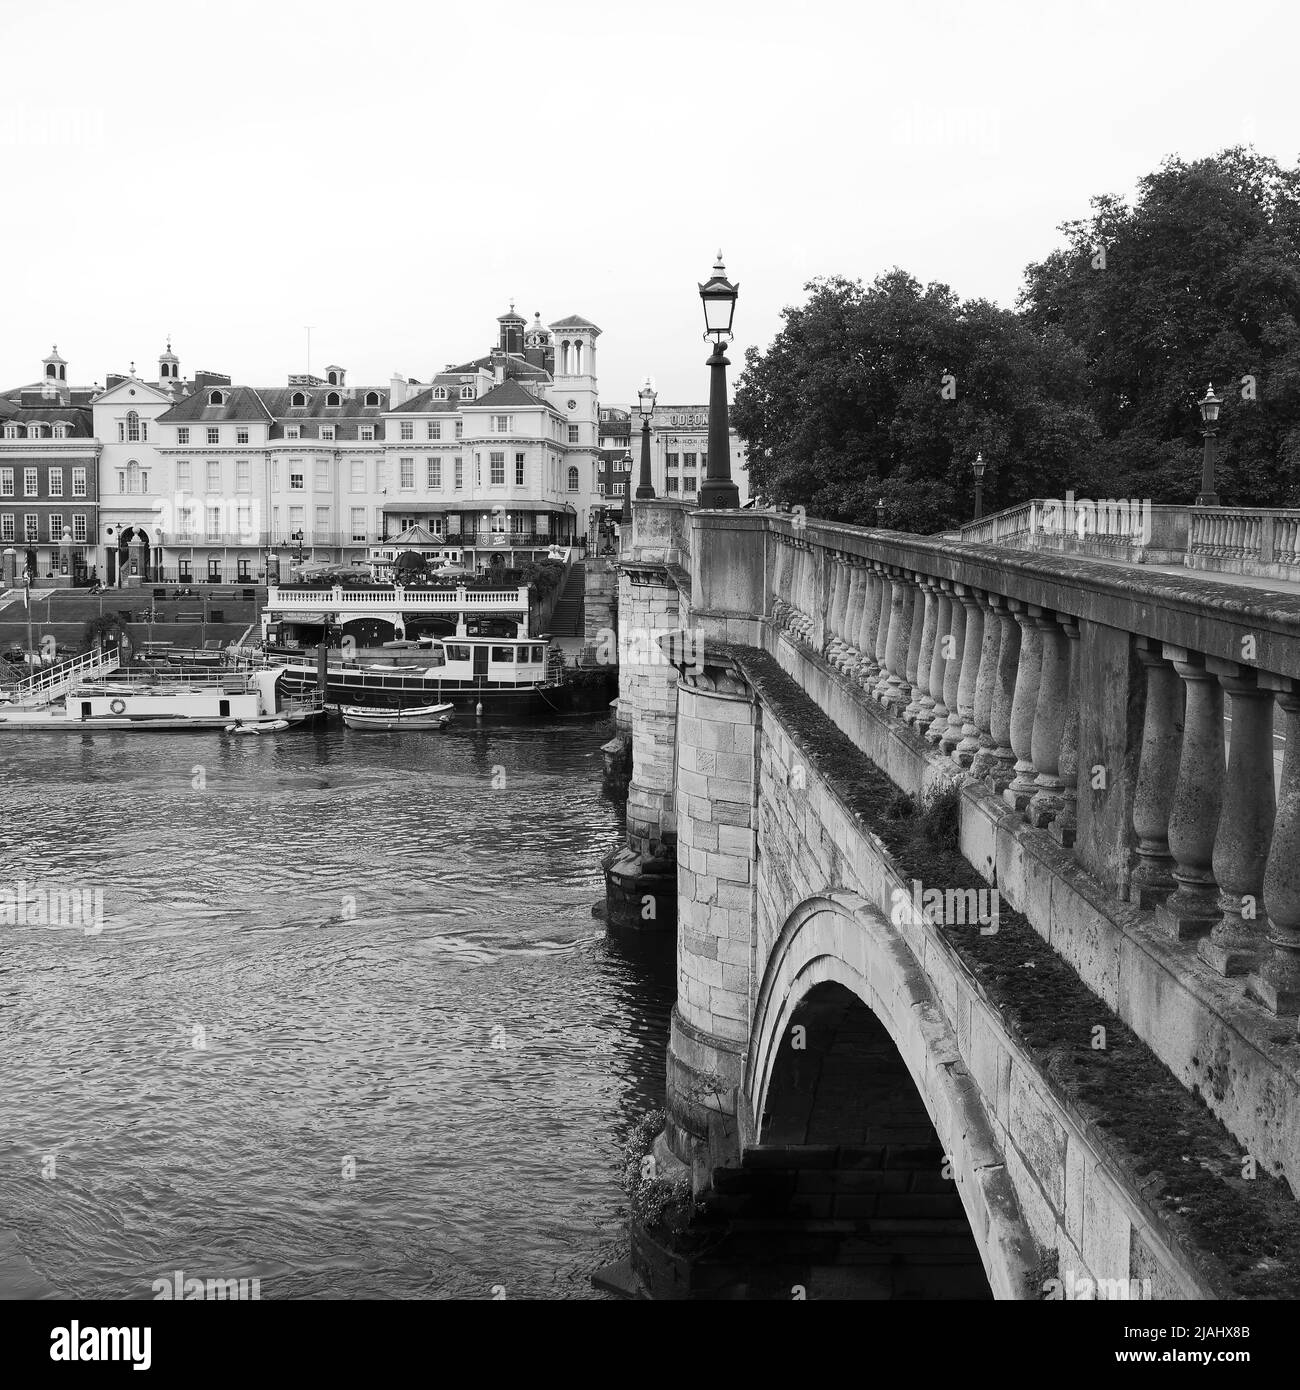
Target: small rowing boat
[(412, 717)]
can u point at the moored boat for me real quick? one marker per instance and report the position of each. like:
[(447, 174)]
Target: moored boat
[(157, 704), (403, 717)]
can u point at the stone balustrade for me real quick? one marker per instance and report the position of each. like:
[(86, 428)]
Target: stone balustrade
[(1093, 702)]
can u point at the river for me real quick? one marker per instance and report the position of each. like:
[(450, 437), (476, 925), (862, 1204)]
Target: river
[(346, 1024)]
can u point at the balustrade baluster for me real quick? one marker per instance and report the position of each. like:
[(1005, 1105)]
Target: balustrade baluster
[(1193, 908), (1276, 983), (1049, 721), (950, 735), (849, 655), (896, 689), (972, 649), (916, 596), (924, 710), (1066, 825), (870, 619), (986, 685), (780, 574), (938, 661), (880, 680), (1153, 797), (1023, 708), (838, 599), (1238, 940)]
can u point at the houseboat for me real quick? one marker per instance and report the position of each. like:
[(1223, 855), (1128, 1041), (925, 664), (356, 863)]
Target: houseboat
[(389, 646), (239, 700)]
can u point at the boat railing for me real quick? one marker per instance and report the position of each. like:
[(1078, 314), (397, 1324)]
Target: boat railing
[(48, 685)]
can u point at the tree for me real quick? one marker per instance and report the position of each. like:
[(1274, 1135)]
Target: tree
[(1198, 281), (890, 391)]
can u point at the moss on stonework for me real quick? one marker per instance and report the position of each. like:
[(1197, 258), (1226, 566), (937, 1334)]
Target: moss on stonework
[(1186, 1165)]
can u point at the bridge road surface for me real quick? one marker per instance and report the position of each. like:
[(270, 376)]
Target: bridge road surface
[(1240, 581)]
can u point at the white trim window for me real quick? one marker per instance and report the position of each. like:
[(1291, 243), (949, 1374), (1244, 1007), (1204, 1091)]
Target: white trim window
[(406, 429), (31, 482), (357, 517), (323, 475), (7, 526), (79, 482), (433, 474), (6, 482), (241, 434), (503, 424), (357, 483), (79, 526), (327, 432), (214, 435), (56, 482), (184, 477), (182, 434), (56, 525), (243, 475), (433, 429), (366, 433), (406, 474), (293, 431), (214, 475)]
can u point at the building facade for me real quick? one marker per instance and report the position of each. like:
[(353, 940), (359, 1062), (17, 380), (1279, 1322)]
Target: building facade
[(49, 475)]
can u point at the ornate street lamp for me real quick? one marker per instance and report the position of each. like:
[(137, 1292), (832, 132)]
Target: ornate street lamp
[(880, 513), (625, 516), (1209, 404), (978, 468), (646, 405), (719, 296)]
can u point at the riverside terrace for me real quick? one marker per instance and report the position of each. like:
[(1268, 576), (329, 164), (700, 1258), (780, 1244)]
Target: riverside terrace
[(1145, 982)]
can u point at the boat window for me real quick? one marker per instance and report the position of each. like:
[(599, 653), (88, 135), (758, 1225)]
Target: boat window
[(539, 654), (503, 654), (456, 651)]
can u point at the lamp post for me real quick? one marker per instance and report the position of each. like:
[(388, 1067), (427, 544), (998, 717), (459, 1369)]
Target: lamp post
[(1209, 404), (978, 468), (719, 296), (625, 516), (646, 405), (880, 513)]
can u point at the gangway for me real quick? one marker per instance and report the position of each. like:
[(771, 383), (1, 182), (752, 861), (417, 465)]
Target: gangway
[(47, 686)]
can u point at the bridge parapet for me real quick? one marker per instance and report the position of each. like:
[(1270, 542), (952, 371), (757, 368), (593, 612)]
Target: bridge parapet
[(1083, 709)]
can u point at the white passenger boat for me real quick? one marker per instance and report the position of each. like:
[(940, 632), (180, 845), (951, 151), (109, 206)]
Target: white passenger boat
[(410, 717), (155, 703)]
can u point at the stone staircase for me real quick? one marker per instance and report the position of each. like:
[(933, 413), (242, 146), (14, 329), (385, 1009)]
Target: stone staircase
[(570, 612)]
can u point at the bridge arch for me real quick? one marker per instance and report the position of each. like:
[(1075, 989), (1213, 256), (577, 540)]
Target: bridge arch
[(834, 957)]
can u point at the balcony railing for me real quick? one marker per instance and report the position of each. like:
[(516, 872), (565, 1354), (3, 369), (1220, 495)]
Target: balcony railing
[(397, 596)]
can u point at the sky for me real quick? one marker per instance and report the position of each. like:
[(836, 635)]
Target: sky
[(394, 174)]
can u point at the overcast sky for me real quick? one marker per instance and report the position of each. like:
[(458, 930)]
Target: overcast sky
[(393, 174)]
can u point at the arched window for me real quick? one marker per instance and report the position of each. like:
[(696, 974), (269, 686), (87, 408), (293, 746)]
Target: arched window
[(132, 427), (332, 398), (577, 359), (49, 369), (11, 431), (564, 357), (60, 431), (372, 397), (299, 400), (216, 398), (439, 393), (573, 479), (467, 393), (334, 378)]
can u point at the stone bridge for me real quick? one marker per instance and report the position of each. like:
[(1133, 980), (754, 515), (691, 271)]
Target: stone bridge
[(987, 911)]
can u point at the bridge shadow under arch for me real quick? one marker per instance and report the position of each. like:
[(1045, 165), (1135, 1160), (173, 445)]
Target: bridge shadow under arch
[(858, 1093)]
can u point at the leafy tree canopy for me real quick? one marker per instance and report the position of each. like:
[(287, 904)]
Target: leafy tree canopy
[(1089, 385)]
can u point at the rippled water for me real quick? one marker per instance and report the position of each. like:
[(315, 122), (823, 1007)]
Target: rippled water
[(387, 942)]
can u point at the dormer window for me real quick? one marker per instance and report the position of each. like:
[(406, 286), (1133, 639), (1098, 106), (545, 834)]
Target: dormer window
[(11, 432), (333, 398), (59, 431), (299, 400), (334, 378), (467, 393), (216, 398), (372, 397), (439, 393), (33, 431)]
